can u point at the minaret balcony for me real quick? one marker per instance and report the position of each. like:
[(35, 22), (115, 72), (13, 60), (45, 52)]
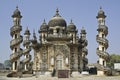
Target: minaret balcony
[(59, 37), (26, 42), (84, 43), (85, 60), (85, 51), (102, 54), (26, 51), (102, 40), (15, 29), (103, 28), (26, 60), (16, 41), (15, 56)]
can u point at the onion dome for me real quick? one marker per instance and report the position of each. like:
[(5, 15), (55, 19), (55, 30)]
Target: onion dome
[(27, 32), (44, 26), (83, 31), (17, 13), (57, 20), (101, 14), (71, 26)]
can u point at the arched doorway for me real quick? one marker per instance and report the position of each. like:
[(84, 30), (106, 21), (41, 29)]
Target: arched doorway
[(59, 62)]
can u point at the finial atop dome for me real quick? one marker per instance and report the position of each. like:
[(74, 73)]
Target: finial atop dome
[(100, 7), (71, 22), (44, 21), (57, 13), (27, 32), (17, 7)]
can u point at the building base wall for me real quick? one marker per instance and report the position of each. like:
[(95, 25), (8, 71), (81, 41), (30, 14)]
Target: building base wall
[(75, 74), (100, 73)]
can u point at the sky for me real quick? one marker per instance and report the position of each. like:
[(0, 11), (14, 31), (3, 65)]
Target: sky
[(82, 12)]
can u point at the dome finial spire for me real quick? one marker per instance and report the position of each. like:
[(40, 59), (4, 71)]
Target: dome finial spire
[(100, 7), (17, 7), (82, 27), (44, 21), (71, 21), (27, 28), (57, 13), (34, 35)]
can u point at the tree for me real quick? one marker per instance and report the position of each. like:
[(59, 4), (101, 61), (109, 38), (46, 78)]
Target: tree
[(114, 58), (7, 64)]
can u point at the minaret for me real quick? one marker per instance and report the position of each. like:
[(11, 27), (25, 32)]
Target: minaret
[(26, 51), (101, 38), (83, 50), (71, 29), (43, 32), (35, 49), (16, 40)]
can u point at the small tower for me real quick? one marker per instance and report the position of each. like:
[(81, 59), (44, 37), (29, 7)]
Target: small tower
[(16, 40), (83, 49), (71, 29), (101, 40), (35, 49), (43, 32), (26, 51)]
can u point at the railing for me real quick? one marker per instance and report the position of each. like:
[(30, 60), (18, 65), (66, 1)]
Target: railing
[(25, 42), (16, 41), (27, 59), (15, 28), (85, 60), (102, 53), (102, 40), (103, 28), (16, 55), (85, 51), (25, 51), (62, 36)]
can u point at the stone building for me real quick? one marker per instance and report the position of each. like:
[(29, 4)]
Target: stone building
[(59, 50)]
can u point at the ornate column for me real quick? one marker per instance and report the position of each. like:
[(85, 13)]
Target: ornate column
[(101, 40), (16, 40), (83, 50), (26, 51)]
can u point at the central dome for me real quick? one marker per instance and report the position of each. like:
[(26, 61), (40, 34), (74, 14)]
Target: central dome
[(57, 20)]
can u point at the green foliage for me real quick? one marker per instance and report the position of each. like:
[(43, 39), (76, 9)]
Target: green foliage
[(7, 63), (114, 58)]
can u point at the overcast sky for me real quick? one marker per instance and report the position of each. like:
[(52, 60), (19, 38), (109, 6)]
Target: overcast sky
[(82, 12)]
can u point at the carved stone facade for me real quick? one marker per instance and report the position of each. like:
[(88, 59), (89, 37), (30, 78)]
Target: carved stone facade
[(59, 47), (58, 50)]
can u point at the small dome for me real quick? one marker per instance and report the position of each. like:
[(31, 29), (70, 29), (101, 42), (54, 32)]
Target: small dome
[(27, 32), (71, 26), (101, 14), (57, 20), (83, 31), (17, 13), (44, 26)]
